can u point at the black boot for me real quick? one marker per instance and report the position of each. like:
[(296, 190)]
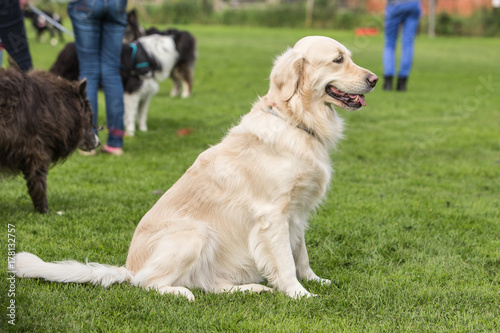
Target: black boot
[(402, 83), (388, 83)]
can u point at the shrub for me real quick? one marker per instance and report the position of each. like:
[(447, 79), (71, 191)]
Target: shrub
[(176, 12), (484, 22), (289, 15)]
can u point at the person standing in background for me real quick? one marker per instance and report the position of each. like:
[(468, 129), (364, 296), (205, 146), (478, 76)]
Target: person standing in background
[(13, 33), (99, 26), (405, 13)]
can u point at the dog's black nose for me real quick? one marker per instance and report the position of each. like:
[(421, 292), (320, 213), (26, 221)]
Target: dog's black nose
[(372, 80)]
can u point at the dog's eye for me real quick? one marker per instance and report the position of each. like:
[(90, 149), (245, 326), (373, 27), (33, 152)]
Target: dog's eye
[(339, 59)]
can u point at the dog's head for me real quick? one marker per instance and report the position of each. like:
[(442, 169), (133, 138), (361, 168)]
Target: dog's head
[(320, 70), (134, 30), (90, 140)]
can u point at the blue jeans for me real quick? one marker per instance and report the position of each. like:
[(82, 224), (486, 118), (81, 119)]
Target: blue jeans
[(405, 13), (99, 26)]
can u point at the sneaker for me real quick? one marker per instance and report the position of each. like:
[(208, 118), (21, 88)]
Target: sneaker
[(92, 152), (117, 151)]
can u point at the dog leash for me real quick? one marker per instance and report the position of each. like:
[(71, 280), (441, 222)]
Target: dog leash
[(50, 20), (271, 111)]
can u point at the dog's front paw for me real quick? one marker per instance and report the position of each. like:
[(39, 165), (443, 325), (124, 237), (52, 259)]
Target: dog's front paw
[(323, 281), (299, 293), (129, 134), (315, 278)]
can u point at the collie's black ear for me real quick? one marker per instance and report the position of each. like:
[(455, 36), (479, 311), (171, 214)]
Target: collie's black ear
[(132, 16), (288, 74), (82, 87)]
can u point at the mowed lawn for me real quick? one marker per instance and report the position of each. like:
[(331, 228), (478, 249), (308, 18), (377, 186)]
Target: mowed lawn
[(409, 232)]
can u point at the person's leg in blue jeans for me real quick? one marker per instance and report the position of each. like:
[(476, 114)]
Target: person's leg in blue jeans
[(409, 32), (407, 14), (391, 27), (99, 29), (111, 44), (87, 31), (393, 19)]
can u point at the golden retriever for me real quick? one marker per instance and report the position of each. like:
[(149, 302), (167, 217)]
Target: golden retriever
[(237, 217)]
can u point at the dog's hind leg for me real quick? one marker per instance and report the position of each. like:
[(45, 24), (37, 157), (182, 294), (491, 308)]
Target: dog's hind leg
[(131, 102), (36, 179), (252, 287), (178, 291), (186, 89), (183, 257), (176, 87), (186, 78), (53, 40), (61, 35)]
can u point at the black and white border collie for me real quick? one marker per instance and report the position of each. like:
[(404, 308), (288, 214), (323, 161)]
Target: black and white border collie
[(174, 57), (183, 73), (149, 60)]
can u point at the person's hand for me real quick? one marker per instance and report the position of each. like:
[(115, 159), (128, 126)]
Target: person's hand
[(23, 4)]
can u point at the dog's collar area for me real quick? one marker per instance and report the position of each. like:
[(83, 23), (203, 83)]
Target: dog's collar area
[(134, 47), (270, 109), (141, 62)]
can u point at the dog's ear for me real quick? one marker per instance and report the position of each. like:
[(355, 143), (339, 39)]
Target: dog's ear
[(82, 87), (132, 18), (288, 74)]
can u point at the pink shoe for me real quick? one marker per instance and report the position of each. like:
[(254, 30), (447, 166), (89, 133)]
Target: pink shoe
[(117, 151)]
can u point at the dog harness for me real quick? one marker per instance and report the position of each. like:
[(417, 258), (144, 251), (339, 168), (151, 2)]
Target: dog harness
[(133, 55), (136, 65), (141, 64)]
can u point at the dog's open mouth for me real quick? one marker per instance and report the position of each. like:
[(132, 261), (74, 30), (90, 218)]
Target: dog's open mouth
[(351, 100)]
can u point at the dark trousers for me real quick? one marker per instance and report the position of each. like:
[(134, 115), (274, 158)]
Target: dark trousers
[(13, 34)]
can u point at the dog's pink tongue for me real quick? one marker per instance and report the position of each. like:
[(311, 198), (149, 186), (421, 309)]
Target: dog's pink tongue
[(360, 98)]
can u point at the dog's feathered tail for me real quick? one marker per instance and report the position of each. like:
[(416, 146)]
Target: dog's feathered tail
[(30, 266)]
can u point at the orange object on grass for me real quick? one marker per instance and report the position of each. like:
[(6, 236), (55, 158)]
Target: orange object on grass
[(366, 31), (184, 131)]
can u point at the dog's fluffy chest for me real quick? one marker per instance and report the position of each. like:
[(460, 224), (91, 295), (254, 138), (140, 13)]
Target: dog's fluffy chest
[(290, 162), (291, 176), (310, 185)]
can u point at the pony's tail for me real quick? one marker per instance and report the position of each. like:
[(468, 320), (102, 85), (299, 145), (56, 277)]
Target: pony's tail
[(30, 266)]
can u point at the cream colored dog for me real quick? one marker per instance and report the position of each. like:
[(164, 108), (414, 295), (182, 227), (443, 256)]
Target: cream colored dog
[(238, 215)]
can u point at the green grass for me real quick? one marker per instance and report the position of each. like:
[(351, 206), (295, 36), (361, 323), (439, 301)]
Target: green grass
[(409, 233)]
